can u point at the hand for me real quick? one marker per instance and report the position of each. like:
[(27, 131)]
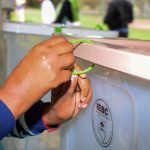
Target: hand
[(67, 99), (83, 90), (43, 68)]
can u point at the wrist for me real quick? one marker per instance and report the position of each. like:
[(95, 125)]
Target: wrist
[(48, 116), (50, 128), (34, 120)]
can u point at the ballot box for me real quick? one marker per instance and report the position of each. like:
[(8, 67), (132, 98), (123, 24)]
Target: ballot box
[(118, 116), (18, 39), (47, 30)]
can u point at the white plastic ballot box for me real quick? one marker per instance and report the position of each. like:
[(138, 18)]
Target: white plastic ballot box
[(118, 117)]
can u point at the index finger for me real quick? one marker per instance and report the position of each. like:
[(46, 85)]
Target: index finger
[(54, 40), (84, 85), (63, 48)]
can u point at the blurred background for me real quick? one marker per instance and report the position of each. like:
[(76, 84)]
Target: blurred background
[(92, 14)]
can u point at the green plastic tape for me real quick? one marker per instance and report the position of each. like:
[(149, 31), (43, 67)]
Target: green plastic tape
[(81, 41), (58, 29), (84, 71), (88, 68)]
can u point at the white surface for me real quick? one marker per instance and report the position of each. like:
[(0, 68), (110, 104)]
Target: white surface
[(126, 60), (27, 29), (48, 30), (128, 101), (127, 97)]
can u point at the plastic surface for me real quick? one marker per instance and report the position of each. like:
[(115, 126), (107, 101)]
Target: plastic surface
[(40, 29), (2, 59), (19, 39), (117, 117)]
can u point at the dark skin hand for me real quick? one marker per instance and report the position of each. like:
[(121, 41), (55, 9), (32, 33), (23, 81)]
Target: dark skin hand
[(68, 99), (37, 73), (45, 68)]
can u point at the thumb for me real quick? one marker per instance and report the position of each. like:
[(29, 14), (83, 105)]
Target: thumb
[(73, 85)]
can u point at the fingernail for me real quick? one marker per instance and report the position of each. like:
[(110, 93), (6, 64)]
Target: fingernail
[(73, 77), (83, 99), (84, 105), (83, 75)]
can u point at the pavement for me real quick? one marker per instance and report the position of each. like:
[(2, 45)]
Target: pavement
[(141, 24)]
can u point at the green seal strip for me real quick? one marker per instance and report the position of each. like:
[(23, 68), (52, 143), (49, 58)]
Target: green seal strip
[(81, 41), (58, 29), (88, 68), (84, 71)]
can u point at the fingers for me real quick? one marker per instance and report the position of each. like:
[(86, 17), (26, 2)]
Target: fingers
[(89, 97), (74, 81), (79, 68), (77, 103), (76, 111), (78, 98), (84, 85), (63, 48), (65, 76), (67, 60), (83, 76), (54, 40), (84, 103)]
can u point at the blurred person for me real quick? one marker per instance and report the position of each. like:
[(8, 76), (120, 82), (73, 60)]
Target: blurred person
[(119, 15), (48, 12), (69, 13), (45, 67), (20, 10)]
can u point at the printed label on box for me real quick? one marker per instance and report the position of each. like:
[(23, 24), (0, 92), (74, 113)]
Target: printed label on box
[(102, 123)]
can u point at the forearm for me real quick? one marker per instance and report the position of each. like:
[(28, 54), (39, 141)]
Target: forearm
[(10, 95)]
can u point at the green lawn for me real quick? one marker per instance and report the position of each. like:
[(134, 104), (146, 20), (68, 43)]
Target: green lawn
[(134, 33), (32, 15), (89, 21), (139, 34)]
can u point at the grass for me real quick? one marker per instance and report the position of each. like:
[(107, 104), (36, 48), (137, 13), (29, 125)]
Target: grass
[(89, 21), (31, 15), (134, 33), (139, 34)]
